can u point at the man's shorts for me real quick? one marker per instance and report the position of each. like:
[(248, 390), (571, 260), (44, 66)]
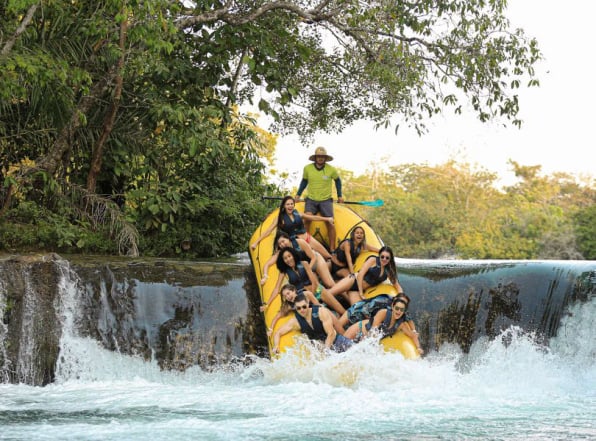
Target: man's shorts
[(341, 343), (324, 208)]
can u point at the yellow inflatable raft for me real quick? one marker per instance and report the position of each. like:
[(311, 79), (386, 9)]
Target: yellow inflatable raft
[(345, 220)]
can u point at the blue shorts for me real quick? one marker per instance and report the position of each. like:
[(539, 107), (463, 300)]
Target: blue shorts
[(325, 208), (341, 343)]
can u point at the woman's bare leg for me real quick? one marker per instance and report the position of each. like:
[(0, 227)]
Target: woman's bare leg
[(328, 295), (324, 273), (357, 330), (318, 246)]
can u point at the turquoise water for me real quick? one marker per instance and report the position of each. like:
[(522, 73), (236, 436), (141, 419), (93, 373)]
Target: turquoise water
[(507, 389)]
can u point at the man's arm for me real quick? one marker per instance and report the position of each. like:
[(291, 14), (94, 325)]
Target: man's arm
[(301, 187), (340, 197), (327, 321)]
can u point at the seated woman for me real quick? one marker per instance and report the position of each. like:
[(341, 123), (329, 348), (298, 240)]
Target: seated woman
[(342, 260), (374, 271), (298, 273), (290, 221), (387, 321), (317, 263)]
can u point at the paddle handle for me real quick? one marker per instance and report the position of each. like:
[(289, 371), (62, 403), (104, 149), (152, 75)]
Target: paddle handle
[(377, 203)]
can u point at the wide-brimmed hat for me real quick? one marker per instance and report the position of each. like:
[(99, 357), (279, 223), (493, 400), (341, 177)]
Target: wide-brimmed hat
[(320, 151)]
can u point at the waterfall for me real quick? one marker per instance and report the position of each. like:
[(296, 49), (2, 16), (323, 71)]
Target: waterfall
[(26, 364), (575, 339), (59, 316), (30, 327), (4, 360), (70, 312)]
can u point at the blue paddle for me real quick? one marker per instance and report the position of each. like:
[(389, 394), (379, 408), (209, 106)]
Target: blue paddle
[(377, 203)]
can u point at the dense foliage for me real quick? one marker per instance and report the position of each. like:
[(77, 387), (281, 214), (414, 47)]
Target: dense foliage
[(456, 210), (120, 128)]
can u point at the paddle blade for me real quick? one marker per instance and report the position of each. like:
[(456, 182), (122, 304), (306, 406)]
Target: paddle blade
[(377, 203)]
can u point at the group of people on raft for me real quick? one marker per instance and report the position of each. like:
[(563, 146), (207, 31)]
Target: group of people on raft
[(322, 283), (324, 292)]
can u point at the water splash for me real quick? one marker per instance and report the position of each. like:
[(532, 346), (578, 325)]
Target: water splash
[(4, 359), (26, 366), (511, 387), (575, 341), (68, 304)]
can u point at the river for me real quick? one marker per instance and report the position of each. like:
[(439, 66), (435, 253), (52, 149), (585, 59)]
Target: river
[(512, 387)]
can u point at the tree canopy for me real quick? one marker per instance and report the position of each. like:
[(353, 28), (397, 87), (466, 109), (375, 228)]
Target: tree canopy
[(121, 117), (455, 210), (325, 64)]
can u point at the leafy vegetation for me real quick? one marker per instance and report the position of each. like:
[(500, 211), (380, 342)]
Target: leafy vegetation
[(119, 119), (456, 210)]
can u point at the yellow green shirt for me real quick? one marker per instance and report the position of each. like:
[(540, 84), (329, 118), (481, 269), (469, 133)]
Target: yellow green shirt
[(319, 181)]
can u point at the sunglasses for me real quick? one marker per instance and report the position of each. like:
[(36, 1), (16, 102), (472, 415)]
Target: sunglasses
[(399, 308), (385, 257), (300, 308)]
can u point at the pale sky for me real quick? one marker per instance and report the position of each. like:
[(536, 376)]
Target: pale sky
[(559, 118)]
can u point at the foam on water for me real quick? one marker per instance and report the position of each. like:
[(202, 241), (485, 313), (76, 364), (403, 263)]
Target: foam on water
[(508, 388)]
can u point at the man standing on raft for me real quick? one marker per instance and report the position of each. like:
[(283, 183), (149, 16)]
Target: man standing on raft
[(317, 177)]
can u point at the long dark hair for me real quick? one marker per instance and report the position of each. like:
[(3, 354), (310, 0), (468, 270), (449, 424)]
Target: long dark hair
[(279, 236), (392, 267), (281, 265), (353, 233), (402, 298), (280, 215)]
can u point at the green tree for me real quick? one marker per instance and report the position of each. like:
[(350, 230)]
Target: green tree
[(442, 210), (585, 221), (454, 209), (137, 101), (329, 63)]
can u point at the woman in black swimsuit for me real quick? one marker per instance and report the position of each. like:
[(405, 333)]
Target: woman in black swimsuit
[(290, 220), (297, 271), (374, 271)]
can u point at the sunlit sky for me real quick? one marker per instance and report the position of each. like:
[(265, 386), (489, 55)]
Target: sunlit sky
[(559, 118)]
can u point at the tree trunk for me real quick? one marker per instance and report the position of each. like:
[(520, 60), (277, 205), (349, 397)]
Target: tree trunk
[(108, 123), (24, 23), (51, 160)]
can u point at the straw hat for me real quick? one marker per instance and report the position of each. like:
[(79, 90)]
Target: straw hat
[(320, 151)]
